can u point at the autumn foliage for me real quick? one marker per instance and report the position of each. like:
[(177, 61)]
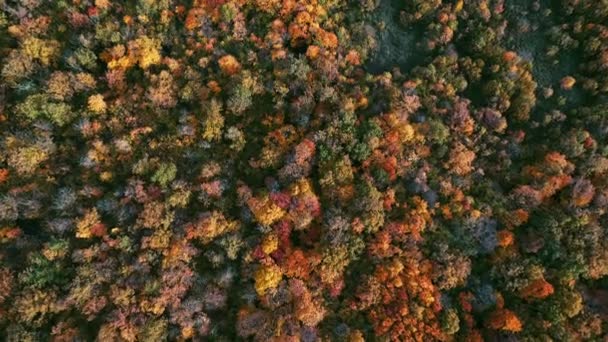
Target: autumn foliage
[(303, 170)]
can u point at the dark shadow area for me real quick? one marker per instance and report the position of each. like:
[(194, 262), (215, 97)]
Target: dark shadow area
[(398, 46), (528, 35)]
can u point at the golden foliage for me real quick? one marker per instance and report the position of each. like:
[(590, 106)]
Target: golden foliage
[(96, 103), (210, 226), (265, 211), (266, 278), (90, 225), (44, 51), (270, 243)]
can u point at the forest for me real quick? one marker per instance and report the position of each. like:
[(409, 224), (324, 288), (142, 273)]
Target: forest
[(303, 170)]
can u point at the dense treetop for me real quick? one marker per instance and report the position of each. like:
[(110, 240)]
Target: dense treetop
[(303, 170)]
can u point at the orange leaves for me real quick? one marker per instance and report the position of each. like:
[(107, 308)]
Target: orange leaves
[(306, 308), (504, 319), (505, 238), (278, 54), (356, 189), (521, 216), (415, 222), (391, 271), (327, 39), (8, 234), (4, 173), (554, 184), (214, 87), (582, 192), (298, 33), (306, 27), (313, 51), (390, 166), (381, 245), (193, 18), (389, 199), (461, 160), (404, 301), (178, 251), (307, 312), (103, 4), (516, 218), (557, 162), (557, 169), (346, 192), (400, 131), (567, 82), (298, 265), (353, 58), (537, 289), (549, 177), (304, 151), (229, 65), (509, 56)]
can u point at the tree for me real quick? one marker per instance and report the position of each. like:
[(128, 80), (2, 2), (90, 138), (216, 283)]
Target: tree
[(267, 278), (504, 319), (229, 65)]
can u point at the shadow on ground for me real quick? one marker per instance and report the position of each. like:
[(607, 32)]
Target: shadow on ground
[(398, 46)]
